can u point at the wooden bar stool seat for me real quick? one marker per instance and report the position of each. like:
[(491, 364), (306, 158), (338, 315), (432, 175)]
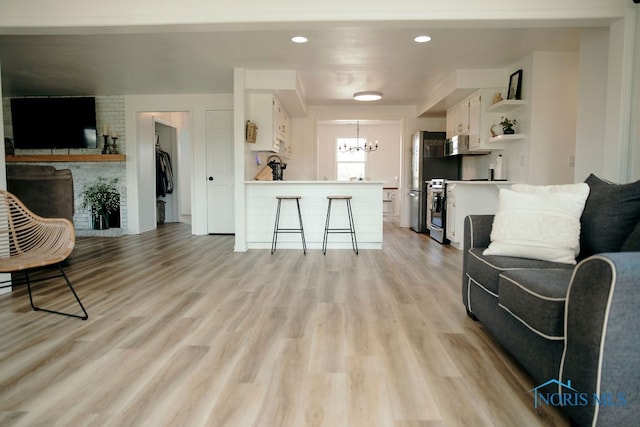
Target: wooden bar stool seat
[(351, 230), (277, 229)]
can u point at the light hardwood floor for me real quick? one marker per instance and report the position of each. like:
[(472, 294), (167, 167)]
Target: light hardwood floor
[(182, 331)]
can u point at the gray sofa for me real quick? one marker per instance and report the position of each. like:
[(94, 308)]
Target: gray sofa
[(45, 190), (574, 328)]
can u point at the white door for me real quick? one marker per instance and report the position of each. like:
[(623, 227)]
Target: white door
[(219, 141)]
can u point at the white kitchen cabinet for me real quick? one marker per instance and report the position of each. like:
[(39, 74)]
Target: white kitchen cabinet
[(451, 123), (272, 121), (475, 118), (429, 203), (284, 131), (450, 225), (481, 121), (458, 119), (462, 118)]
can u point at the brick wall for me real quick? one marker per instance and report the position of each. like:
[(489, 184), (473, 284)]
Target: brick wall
[(110, 110)]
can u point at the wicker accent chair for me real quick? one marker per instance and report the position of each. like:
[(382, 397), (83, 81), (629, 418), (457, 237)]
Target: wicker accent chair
[(29, 241)]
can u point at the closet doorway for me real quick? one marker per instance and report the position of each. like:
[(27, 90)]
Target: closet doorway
[(167, 172)]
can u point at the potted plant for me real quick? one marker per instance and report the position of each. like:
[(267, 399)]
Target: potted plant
[(101, 199), (507, 125)]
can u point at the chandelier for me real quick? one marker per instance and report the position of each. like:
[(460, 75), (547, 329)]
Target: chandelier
[(366, 147)]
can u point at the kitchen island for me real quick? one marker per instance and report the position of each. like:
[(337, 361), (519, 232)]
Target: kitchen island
[(261, 212)]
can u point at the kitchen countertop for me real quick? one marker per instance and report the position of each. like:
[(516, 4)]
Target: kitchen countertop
[(314, 182), (494, 182)]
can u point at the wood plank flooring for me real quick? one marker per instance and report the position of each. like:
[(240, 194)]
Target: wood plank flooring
[(182, 331)]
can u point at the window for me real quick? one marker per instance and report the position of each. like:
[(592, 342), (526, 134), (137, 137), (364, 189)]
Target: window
[(352, 163)]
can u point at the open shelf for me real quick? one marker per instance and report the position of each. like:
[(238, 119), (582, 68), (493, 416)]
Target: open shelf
[(33, 158), (501, 138), (506, 105)]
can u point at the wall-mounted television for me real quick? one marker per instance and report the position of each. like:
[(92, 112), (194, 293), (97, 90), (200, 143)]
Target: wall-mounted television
[(54, 122)]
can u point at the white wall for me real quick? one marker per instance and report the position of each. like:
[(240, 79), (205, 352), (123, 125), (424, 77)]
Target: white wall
[(552, 129), (634, 137), (382, 165), (592, 81)]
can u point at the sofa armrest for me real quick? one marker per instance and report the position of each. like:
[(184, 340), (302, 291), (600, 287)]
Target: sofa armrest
[(477, 231), (602, 351)]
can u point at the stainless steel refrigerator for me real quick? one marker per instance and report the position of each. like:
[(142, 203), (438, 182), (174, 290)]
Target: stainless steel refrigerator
[(428, 162)]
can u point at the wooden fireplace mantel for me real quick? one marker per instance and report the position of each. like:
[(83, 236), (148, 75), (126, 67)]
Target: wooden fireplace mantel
[(33, 158)]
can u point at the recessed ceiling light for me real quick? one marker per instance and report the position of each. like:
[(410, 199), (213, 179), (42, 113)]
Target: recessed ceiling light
[(299, 39), (422, 39), (367, 96)]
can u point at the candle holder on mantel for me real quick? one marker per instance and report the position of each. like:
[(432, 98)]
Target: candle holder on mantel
[(105, 149), (114, 147)]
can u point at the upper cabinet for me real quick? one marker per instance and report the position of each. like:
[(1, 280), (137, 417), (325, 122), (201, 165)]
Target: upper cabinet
[(477, 117), (272, 121), (458, 119)]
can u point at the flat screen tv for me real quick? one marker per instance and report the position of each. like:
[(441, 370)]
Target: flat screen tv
[(54, 122)]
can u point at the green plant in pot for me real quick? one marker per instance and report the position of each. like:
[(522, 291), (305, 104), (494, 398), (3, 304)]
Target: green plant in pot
[(507, 125), (101, 199)]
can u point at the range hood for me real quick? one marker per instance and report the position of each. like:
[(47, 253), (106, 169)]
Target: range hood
[(459, 146)]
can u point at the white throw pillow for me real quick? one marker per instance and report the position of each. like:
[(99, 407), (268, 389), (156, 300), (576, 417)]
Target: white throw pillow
[(539, 222)]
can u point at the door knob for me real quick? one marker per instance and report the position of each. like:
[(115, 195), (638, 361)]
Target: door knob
[(210, 178)]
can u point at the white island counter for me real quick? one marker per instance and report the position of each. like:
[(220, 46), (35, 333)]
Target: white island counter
[(261, 212)]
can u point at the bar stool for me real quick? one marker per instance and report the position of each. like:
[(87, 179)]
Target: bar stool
[(277, 229), (388, 209), (351, 230)]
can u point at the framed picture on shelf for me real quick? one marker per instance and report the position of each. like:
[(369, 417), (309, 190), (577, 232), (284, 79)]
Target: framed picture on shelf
[(515, 85)]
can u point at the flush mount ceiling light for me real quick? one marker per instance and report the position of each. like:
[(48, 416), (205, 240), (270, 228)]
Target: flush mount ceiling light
[(422, 39), (367, 96), (299, 39)]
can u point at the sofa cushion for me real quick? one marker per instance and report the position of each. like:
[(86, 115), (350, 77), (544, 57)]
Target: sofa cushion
[(611, 213), (45, 190), (539, 222), (485, 269), (632, 244), (536, 297), (23, 171)]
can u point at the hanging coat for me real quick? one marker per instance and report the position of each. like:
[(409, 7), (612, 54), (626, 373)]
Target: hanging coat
[(164, 174)]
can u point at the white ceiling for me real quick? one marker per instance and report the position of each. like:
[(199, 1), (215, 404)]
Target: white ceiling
[(338, 60)]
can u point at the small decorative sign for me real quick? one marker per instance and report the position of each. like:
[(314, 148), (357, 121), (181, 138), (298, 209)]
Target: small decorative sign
[(251, 132)]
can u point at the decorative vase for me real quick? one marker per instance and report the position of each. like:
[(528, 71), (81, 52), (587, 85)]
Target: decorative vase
[(101, 221), (508, 131)]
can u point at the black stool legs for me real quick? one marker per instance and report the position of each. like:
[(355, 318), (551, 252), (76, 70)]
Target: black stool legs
[(277, 229), (351, 230)]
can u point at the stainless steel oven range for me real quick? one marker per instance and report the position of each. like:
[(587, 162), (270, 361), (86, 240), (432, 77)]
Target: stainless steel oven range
[(438, 210)]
